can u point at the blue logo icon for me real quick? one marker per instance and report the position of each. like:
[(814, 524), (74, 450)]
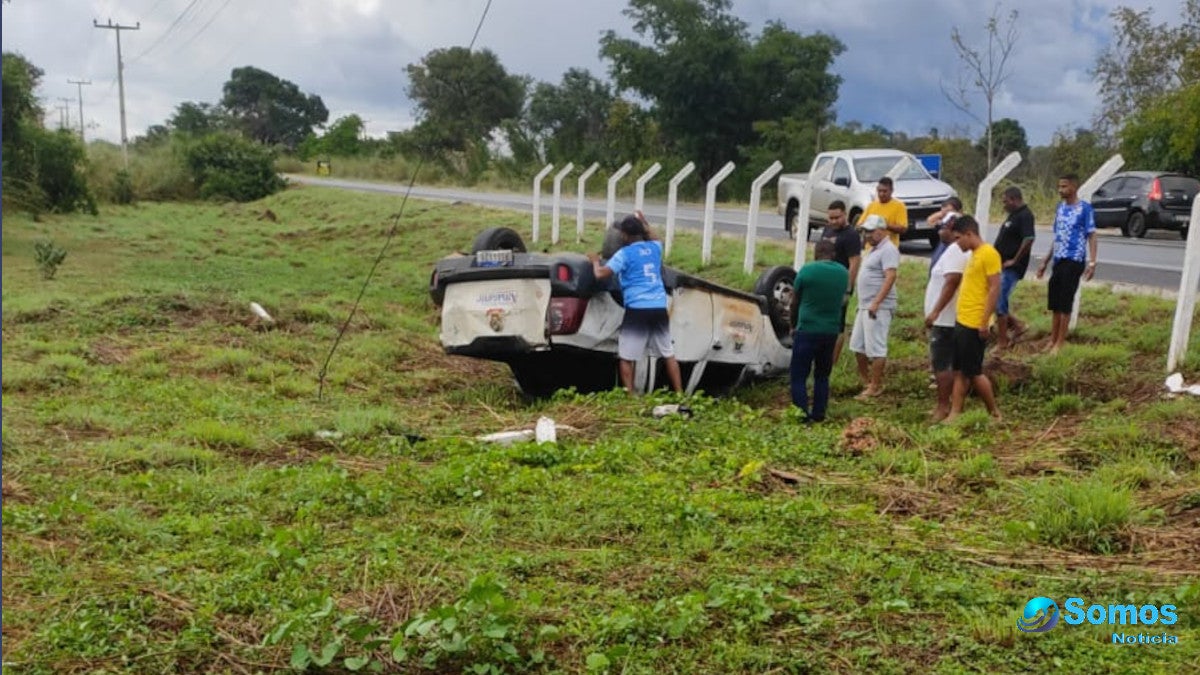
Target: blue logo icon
[(1040, 615)]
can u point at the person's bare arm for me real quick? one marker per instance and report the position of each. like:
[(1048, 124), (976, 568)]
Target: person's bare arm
[(1021, 253), (854, 263), (993, 297), (1092, 253), (889, 280), (953, 279), (602, 272)]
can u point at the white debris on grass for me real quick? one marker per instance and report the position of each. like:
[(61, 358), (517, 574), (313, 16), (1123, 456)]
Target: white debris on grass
[(1174, 385)]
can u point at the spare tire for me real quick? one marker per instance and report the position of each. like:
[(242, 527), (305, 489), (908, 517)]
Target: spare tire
[(497, 238), (613, 241), (776, 284)]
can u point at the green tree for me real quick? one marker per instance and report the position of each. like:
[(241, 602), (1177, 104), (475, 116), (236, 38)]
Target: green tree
[(462, 97), (271, 110), (1080, 151), (228, 166), (709, 82), (42, 169), (343, 139), (1145, 61), (1165, 135), (1007, 135), (571, 116), (196, 119)]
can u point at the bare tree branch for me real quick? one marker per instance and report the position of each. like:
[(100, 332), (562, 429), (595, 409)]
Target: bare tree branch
[(989, 68)]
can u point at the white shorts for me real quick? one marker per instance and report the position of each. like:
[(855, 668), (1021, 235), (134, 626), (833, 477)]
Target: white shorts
[(870, 336)]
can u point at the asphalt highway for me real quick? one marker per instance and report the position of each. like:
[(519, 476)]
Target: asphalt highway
[(1155, 261)]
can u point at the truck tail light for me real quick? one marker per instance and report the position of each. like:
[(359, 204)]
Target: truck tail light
[(563, 273), (1156, 191), (565, 315)]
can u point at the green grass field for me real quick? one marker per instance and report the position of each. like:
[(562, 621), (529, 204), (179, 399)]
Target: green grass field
[(178, 499)]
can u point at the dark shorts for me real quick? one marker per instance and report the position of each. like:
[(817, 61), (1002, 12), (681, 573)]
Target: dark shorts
[(845, 304), (644, 331), (1064, 282), (968, 350), (941, 348)]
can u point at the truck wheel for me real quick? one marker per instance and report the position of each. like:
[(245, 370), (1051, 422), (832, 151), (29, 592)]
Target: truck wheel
[(789, 218), (1137, 224), (497, 238), (776, 285)]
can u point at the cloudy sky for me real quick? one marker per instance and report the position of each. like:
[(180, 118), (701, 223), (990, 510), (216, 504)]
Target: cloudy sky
[(353, 52)]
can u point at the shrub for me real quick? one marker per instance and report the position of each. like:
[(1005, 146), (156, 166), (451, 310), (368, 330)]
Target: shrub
[(123, 187), (1089, 515), (227, 166), (48, 257)]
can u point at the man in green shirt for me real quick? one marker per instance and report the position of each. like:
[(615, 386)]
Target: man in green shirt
[(817, 315)]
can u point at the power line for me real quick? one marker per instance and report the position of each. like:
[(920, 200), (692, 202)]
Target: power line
[(167, 32), (386, 243), (202, 28)]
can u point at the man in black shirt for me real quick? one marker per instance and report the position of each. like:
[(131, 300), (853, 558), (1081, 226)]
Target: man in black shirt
[(847, 250), (1014, 242)]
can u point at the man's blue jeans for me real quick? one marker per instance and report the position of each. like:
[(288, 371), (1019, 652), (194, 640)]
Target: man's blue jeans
[(809, 350)]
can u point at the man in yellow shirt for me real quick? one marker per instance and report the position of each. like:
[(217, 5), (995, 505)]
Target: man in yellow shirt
[(893, 211), (977, 297)]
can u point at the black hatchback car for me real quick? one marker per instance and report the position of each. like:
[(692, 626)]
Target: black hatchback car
[(1138, 201)]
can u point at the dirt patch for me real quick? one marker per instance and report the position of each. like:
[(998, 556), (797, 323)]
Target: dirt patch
[(107, 353), (1014, 373), (864, 434), (907, 499), (15, 492)]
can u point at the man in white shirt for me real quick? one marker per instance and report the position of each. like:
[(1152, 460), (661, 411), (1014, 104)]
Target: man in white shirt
[(941, 300)]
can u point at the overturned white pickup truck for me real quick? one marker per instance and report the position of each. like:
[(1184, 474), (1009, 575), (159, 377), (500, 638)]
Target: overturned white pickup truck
[(556, 326)]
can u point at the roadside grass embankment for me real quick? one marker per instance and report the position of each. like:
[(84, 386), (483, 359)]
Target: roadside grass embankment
[(178, 499)]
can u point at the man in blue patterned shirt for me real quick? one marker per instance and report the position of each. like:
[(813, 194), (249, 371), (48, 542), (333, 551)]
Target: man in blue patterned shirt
[(1074, 256)]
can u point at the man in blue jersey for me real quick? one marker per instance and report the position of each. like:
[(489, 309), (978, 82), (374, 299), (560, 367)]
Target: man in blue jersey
[(646, 325), (1074, 256)]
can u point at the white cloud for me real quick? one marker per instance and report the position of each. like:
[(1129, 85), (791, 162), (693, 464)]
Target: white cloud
[(353, 52)]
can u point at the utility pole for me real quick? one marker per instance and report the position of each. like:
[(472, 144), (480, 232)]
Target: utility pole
[(66, 107), (120, 79), (80, 84)]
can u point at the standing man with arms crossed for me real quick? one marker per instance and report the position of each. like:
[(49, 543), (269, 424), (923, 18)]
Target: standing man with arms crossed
[(976, 302), (941, 313), (876, 302), (1014, 242), (638, 266), (893, 211), (1074, 256), (818, 314), (847, 251)]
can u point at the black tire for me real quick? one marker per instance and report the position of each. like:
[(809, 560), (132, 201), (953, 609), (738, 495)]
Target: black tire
[(1125, 230), (791, 213), (776, 285), (1183, 232), (613, 241), (497, 238), (1137, 224)]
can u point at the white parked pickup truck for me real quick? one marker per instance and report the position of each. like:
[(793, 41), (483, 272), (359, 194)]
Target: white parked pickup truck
[(853, 177)]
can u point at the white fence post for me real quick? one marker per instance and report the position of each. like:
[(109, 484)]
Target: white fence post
[(814, 177), (610, 213), (1185, 304), (710, 198), (1089, 186), (558, 179), (752, 216), (640, 191), (537, 198), (579, 200), (672, 197), (983, 200)]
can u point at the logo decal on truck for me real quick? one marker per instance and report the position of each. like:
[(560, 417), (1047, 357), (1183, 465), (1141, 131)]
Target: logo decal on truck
[(491, 298)]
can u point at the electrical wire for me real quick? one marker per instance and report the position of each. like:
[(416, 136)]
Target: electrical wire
[(174, 24), (386, 243)]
